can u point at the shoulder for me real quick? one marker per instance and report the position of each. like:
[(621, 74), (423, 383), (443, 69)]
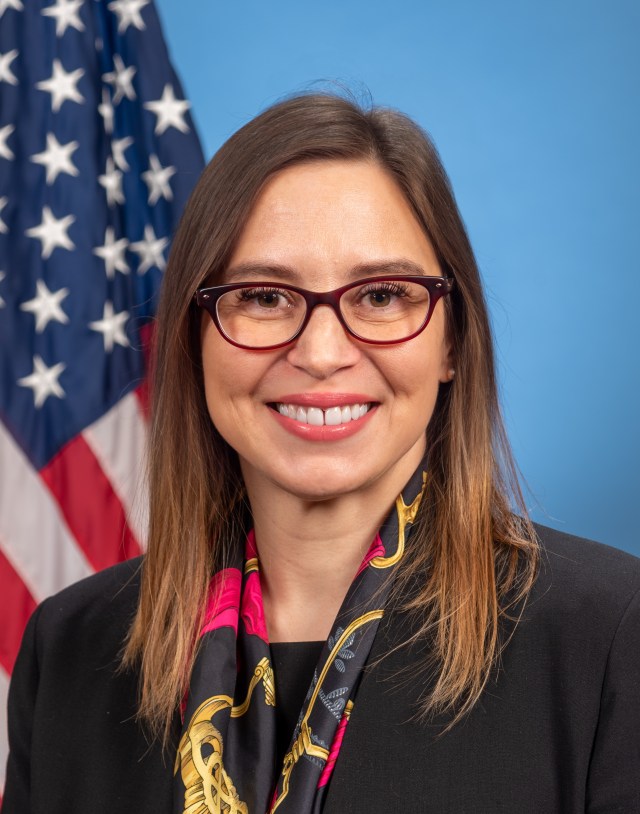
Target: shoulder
[(91, 615), (584, 590), (580, 638), (113, 591), (70, 658), (74, 734), (114, 584), (586, 568)]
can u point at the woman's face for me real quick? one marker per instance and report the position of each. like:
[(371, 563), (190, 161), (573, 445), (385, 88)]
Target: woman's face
[(322, 225)]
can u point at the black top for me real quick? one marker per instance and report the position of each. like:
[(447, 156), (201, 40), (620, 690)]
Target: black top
[(556, 731), (293, 666)]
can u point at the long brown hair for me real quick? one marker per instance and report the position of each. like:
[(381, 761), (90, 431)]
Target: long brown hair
[(473, 557)]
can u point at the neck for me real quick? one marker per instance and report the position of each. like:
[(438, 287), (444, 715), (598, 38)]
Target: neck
[(310, 552)]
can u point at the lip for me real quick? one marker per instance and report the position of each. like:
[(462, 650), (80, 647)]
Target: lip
[(324, 400), (308, 432)]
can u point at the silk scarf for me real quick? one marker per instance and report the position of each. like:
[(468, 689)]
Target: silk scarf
[(226, 759)]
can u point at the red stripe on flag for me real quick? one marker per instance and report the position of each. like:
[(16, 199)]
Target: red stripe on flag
[(144, 398), (89, 504), (147, 335), (17, 606)]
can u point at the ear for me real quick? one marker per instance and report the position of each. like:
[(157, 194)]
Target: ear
[(447, 369)]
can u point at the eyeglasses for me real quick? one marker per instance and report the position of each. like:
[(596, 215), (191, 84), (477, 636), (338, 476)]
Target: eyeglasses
[(377, 310)]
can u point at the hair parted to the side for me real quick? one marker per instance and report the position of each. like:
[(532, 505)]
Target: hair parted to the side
[(474, 553)]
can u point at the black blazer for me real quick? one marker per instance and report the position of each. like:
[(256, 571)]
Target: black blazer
[(557, 731)]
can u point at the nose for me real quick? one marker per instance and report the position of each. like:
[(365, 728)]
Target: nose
[(324, 347)]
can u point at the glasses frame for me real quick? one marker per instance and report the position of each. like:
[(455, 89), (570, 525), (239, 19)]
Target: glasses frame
[(437, 287)]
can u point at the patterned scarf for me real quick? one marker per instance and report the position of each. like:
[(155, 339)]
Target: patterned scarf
[(226, 760)]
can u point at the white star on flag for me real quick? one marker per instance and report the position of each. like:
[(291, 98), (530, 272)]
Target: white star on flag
[(118, 147), (150, 250), (3, 226), (112, 182), (121, 78), (157, 180), (5, 4), (128, 12), (111, 326), (170, 112), (5, 150), (105, 109), (62, 86), (52, 232), (46, 306), (2, 276), (43, 381), (112, 252), (57, 158), (6, 74), (66, 14)]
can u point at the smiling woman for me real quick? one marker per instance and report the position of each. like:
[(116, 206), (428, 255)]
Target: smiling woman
[(343, 605), (327, 222)]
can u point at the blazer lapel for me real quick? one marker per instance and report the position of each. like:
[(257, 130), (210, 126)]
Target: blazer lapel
[(387, 694)]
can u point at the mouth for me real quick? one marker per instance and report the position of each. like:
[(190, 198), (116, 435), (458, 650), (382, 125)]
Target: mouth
[(317, 416)]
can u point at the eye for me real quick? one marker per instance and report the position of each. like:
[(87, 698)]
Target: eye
[(268, 298), (381, 295)]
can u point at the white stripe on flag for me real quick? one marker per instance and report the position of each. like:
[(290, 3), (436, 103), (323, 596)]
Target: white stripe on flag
[(4, 740), (118, 440), (35, 538)]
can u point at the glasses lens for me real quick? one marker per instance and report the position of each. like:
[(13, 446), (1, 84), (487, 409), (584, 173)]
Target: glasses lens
[(259, 316), (385, 310)]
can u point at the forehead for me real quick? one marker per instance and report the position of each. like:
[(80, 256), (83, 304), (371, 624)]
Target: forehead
[(324, 218)]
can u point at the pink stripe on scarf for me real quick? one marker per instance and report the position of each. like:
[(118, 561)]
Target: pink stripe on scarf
[(252, 611), (376, 549), (252, 608), (334, 751), (223, 601)]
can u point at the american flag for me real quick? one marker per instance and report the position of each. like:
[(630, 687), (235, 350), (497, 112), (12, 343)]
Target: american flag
[(98, 154)]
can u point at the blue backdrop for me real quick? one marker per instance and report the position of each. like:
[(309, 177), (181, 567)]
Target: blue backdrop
[(535, 110)]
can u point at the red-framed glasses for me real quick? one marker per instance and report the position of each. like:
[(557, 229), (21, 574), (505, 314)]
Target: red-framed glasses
[(377, 310)]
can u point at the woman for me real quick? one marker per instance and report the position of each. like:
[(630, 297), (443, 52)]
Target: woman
[(343, 606)]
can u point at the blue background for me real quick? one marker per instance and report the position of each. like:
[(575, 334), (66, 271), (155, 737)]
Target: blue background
[(535, 110)]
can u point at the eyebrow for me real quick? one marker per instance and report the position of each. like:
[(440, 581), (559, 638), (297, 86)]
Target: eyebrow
[(399, 266), (277, 271)]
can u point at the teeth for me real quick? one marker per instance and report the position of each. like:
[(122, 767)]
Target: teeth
[(314, 416), (317, 417), (333, 416)]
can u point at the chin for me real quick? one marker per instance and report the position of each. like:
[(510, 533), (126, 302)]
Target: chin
[(327, 475), (320, 492), (316, 481)]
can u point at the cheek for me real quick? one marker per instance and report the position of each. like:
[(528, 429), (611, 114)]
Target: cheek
[(418, 365), (232, 379), (223, 396), (219, 384), (414, 373)]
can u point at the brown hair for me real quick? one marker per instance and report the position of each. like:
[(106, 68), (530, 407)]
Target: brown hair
[(472, 556)]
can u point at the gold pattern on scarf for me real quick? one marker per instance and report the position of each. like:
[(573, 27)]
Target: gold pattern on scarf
[(251, 565), (263, 672), (303, 743), (406, 516), (208, 787)]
